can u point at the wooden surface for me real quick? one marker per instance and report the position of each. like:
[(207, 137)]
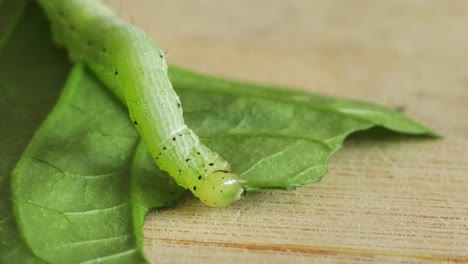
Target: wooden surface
[(398, 201)]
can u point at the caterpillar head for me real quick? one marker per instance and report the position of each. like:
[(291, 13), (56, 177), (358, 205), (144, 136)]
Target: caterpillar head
[(220, 189)]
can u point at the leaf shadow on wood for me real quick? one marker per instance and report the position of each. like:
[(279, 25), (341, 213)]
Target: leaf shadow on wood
[(381, 134)]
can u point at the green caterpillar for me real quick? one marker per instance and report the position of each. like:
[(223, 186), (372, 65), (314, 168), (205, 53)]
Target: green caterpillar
[(131, 64)]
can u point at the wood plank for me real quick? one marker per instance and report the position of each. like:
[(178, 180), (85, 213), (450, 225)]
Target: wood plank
[(401, 200)]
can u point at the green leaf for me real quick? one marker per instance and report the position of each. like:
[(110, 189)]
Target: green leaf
[(81, 177), (72, 177), (55, 175), (85, 181), (23, 103), (275, 137)]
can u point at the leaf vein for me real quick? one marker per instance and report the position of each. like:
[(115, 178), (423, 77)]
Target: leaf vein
[(270, 135), (48, 209), (123, 253), (91, 177), (263, 159), (84, 242), (94, 211)]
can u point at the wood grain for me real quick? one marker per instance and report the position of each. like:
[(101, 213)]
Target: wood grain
[(399, 200)]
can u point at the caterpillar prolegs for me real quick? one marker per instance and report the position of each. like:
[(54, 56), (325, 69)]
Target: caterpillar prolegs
[(131, 64)]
